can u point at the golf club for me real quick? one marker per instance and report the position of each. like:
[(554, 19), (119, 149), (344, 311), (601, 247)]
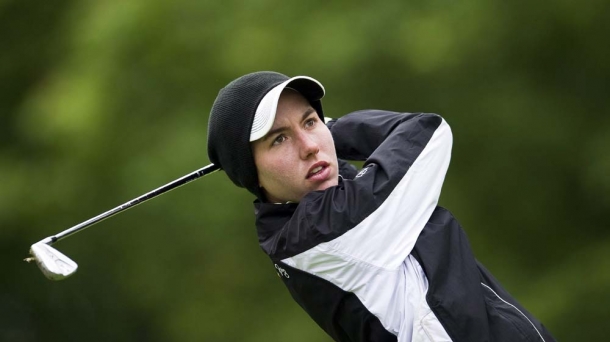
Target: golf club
[(56, 266)]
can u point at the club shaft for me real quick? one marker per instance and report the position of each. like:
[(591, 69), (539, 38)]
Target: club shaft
[(134, 202)]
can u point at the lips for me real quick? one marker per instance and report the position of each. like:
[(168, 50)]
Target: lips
[(317, 170)]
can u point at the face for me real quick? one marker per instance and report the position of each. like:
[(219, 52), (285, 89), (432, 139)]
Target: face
[(298, 154)]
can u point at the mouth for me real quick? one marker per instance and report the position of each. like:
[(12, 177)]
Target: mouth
[(317, 170)]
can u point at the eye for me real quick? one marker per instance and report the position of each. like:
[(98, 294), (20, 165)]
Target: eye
[(310, 122), (279, 139)]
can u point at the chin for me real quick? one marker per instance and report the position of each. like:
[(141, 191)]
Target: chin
[(329, 183)]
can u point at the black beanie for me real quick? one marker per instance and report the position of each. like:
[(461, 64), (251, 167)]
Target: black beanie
[(231, 121)]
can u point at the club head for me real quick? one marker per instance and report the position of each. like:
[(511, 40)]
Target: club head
[(53, 264)]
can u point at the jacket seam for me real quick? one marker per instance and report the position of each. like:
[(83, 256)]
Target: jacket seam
[(514, 307)]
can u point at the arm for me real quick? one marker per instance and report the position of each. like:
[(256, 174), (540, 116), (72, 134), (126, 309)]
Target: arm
[(357, 135), (376, 217), (357, 235)]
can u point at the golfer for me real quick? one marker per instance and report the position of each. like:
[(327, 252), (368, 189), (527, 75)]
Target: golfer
[(367, 254)]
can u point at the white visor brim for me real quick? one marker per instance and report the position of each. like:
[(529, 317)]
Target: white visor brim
[(266, 110)]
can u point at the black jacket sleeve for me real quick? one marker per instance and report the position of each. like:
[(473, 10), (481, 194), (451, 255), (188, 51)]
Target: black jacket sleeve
[(388, 202), (358, 134)]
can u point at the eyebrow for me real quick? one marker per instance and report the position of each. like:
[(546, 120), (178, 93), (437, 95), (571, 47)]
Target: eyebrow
[(283, 128)]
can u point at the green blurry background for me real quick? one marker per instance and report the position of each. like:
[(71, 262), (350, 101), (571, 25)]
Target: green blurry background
[(101, 101)]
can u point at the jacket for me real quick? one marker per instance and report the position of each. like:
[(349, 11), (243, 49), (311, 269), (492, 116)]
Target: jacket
[(374, 258)]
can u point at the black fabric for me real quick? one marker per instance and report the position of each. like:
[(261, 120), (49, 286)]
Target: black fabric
[(389, 143), (286, 230), (347, 170), (500, 313), (470, 304), (341, 314), (231, 120)]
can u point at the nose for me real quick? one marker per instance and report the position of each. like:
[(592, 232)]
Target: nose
[(308, 146)]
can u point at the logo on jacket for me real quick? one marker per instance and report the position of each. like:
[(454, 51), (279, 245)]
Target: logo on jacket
[(362, 172), (281, 272)]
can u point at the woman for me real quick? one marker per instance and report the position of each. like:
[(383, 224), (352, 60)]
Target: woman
[(368, 255)]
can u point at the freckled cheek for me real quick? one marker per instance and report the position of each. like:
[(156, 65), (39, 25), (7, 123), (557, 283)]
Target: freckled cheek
[(279, 166), (328, 143)]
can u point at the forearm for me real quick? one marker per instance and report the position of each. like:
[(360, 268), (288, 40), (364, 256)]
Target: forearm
[(388, 203), (357, 135)]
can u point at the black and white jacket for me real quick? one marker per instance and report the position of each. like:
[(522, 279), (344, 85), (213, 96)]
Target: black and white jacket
[(375, 258)]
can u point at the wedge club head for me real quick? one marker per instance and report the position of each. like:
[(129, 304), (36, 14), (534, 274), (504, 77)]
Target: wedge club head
[(53, 264)]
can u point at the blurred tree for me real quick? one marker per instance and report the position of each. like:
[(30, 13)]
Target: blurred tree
[(101, 101)]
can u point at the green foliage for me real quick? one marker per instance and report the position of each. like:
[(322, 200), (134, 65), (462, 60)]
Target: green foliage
[(101, 101)]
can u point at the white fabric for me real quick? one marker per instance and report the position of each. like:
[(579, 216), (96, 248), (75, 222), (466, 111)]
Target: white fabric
[(265, 112), (373, 261)]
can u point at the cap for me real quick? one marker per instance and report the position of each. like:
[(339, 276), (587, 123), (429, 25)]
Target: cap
[(311, 89), (243, 112)]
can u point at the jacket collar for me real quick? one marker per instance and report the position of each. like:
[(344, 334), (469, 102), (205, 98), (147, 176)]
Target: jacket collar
[(271, 217)]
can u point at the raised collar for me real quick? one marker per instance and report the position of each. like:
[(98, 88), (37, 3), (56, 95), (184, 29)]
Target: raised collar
[(271, 217)]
